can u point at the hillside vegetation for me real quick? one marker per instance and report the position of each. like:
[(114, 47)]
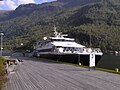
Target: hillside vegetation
[(79, 18), (2, 73)]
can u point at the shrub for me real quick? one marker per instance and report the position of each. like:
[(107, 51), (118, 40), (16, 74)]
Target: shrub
[(2, 72), (1, 62)]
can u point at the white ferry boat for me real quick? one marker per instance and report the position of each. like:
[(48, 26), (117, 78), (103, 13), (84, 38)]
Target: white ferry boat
[(61, 48)]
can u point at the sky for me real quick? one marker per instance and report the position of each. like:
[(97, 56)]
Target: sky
[(13, 4)]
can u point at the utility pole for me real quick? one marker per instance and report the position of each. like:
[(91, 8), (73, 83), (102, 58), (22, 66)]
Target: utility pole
[(1, 34), (90, 38)]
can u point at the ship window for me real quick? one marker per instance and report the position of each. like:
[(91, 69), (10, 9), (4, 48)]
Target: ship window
[(62, 40), (54, 40), (58, 39), (68, 40)]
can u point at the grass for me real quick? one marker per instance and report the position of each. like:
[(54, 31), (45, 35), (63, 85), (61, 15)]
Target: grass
[(96, 68), (2, 73), (110, 62)]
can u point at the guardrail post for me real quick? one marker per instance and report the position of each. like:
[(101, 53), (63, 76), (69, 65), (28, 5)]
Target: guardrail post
[(117, 70)]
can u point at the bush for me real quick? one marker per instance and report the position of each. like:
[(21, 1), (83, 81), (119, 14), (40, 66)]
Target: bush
[(2, 72), (1, 62)]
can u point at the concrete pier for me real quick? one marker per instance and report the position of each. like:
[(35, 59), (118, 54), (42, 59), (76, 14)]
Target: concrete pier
[(41, 74)]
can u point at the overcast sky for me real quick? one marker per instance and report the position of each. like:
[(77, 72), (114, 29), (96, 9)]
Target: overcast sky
[(12, 4)]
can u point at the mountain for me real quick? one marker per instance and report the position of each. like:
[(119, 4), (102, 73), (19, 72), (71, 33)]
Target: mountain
[(2, 11), (4, 14), (27, 9), (79, 18)]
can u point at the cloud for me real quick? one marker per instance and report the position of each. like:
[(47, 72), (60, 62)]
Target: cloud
[(0, 8), (13, 4), (25, 1), (2, 3), (10, 4), (45, 0)]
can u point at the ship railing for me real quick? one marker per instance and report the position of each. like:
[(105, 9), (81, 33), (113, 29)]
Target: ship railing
[(91, 50), (77, 50)]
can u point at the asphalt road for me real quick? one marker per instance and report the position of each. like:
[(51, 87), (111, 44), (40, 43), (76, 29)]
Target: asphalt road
[(41, 74)]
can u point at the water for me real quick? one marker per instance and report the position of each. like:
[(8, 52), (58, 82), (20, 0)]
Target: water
[(17, 54), (109, 62), (6, 53)]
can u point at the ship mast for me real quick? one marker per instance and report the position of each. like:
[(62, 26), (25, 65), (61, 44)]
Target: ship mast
[(55, 31)]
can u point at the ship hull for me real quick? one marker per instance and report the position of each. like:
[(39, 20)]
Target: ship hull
[(83, 59)]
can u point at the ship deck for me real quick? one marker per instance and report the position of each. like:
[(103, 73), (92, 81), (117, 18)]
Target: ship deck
[(42, 74)]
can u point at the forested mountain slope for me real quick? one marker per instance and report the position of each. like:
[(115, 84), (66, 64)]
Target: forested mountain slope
[(79, 18)]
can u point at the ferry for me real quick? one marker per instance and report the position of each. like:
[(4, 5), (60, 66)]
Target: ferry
[(61, 48)]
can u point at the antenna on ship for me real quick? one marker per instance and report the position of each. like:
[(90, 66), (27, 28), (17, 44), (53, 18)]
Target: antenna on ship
[(55, 31)]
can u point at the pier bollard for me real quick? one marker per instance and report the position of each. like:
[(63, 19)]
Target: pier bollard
[(117, 70), (79, 64)]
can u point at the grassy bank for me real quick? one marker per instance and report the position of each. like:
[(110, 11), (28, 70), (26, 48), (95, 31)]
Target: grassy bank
[(110, 62), (2, 73)]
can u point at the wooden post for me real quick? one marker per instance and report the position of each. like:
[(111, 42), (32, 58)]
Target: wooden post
[(117, 70), (79, 60)]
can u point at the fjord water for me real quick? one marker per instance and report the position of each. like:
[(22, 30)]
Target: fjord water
[(109, 61)]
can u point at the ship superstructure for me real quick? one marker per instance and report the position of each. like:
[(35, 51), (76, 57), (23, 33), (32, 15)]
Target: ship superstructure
[(59, 44)]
